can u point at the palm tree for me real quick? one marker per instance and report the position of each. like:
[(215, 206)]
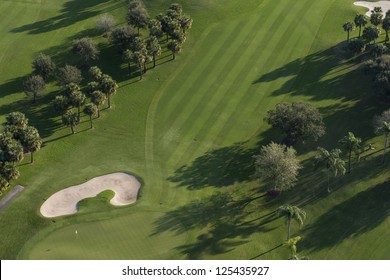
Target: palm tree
[(60, 104), (386, 27), (348, 27), (376, 18), (360, 20), (153, 47), (31, 141), (292, 213), (91, 110), (108, 86), (331, 160), (351, 144), (139, 59), (371, 33), (98, 98), (175, 47), (127, 57), (71, 119)]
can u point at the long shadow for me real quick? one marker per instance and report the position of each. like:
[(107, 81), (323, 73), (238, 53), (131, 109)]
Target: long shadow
[(222, 220), (358, 215), (72, 11)]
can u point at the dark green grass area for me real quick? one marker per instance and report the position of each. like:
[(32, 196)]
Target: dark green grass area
[(190, 129)]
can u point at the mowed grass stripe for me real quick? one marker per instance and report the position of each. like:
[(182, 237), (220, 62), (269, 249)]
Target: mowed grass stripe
[(255, 99), (221, 97), (199, 104), (226, 48)]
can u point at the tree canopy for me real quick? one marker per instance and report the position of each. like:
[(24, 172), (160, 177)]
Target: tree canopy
[(299, 121)]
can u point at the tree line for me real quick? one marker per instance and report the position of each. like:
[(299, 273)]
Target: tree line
[(17, 139), (72, 99), (378, 62)]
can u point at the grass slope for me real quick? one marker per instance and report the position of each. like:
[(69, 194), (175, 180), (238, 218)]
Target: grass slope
[(190, 129)]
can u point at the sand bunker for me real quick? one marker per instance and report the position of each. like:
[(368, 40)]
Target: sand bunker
[(64, 202), (385, 5)]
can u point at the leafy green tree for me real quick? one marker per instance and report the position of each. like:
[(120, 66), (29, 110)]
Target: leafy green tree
[(371, 33), (137, 15), (360, 21), (378, 50), (175, 10), (33, 86), (44, 66), (86, 49), (299, 121), (68, 74), (91, 110), (292, 213), (175, 47), (351, 144), (155, 28), (179, 36), (348, 27), (279, 164), (165, 24), (154, 48), (5, 139), (331, 161), (386, 27), (106, 23), (98, 98), (71, 119), (108, 86), (60, 104), (382, 127), (91, 87), (122, 37), (31, 141)]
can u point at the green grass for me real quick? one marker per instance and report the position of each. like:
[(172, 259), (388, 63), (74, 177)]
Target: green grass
[(190, 129)]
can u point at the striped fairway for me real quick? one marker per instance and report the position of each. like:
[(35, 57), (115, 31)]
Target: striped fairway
[(189, 129)]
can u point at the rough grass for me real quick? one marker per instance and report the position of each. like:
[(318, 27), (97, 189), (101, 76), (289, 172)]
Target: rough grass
[(190, 129)]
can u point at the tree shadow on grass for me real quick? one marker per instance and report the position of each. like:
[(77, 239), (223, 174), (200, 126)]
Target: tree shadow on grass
[(360, 214), (222, 219), (217, 168), (73, 11)]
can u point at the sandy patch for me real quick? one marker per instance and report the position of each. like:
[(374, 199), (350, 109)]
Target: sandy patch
[(385, 5), (64, 202)]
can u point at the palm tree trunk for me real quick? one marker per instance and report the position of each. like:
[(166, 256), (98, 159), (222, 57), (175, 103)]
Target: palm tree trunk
[(78, 110), (328, 179), (90, 120), (145, 67), (108, 101), (140, 71), (360, 30), (98, 112), (32, 157), (173, 56), (71, 128), (288, 227), (349, 160), (129, 68), (385, 147), (154, 60), (34, 97), (348, 36)]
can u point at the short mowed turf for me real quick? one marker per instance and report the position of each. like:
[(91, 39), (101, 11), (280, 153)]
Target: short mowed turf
[(189, 131)]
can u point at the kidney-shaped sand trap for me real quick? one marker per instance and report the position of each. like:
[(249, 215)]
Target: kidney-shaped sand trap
[(64, 202), (385, 5)]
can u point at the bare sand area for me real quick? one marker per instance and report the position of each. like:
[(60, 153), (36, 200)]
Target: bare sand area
[(385, 5), (64, 202)]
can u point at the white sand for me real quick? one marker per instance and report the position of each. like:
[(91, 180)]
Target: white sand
[(64, 202), (385, 5)]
